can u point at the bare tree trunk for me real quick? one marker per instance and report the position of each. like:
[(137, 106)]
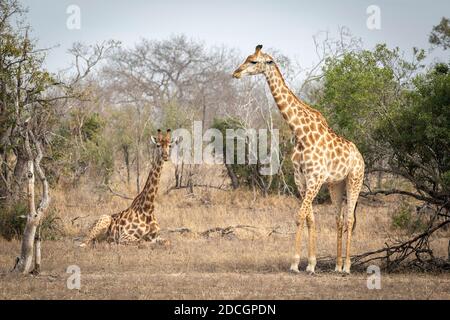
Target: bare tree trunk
[(138, 166), (233, 177), (5, 186), (19, 172), (126, 155), (31, 243), (37, 251), (190, 182), (448, 250), (177, 176), (25, 260)]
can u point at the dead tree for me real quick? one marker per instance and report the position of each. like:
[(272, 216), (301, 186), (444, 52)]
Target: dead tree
[(31, 241)]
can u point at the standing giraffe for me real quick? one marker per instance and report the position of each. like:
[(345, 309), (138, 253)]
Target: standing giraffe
[(138, 222), (320, 156)]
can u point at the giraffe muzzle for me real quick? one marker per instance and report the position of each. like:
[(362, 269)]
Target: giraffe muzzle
[(237, 74)]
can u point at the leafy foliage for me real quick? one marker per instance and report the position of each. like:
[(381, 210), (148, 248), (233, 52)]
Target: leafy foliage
[(404, 219), (440, 36), (249, 175), (13, 221), (360, 90), (419, 136), (79, 147)]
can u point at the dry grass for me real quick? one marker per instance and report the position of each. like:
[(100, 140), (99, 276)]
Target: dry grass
[(249, 264)]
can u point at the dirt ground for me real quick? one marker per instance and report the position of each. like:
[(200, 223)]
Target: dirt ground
[(188, 271), (249, 263)]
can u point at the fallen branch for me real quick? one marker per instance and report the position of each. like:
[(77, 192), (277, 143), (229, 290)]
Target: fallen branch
[(225, 231), (180, 230), (275, 231), (222, 230), (79, 217), (222, 188), (393, 256), (117, 194)]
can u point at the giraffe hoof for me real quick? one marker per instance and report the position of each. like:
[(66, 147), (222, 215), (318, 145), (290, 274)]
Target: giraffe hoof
[(310, 269), (338, 269), (346, 270), (294, 269)]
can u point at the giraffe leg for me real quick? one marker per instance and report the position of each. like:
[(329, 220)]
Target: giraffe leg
[(336, 195), (298, 239), (354, 185), (154, 230), (126, 238), (300, 181), (305, 210), (311, 242), (99, 228)]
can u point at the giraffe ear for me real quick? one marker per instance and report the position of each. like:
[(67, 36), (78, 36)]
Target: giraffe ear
[(153, 140)]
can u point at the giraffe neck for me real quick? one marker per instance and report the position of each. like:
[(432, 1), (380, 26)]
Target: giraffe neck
[(291, 108), (144, 201)]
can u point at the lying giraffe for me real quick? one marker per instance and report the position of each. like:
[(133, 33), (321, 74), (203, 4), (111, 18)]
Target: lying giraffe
[(138, 222), (320, 156)]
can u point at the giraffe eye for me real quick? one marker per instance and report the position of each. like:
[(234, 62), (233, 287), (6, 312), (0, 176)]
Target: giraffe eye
[(253, 62), (159, 145)]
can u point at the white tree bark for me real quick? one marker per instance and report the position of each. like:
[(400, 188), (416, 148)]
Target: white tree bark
[(31, 244)]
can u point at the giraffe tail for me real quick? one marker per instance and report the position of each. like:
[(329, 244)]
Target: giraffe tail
[(354, 217), (99, 228)]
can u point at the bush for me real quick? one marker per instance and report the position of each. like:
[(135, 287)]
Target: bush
[(404, 219), (75, 150), (248, 174), (13, 220), (419, 137)]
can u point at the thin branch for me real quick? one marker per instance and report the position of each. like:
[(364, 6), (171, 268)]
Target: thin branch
[(402, 192), (117, 194)]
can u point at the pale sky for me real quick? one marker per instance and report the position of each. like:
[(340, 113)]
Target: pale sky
[(287, 25)]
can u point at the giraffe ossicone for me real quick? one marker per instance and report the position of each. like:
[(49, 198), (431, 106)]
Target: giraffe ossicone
[(138, 222), (320, 156)]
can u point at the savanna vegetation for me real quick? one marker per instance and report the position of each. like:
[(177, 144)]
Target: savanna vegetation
[(81, 136)]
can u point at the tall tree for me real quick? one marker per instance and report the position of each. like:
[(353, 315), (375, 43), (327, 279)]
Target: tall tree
[(31, 102), (440, 35), (361, 88)]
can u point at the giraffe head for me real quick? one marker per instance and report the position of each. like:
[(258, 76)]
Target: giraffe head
[(255, 63), (163, 143)]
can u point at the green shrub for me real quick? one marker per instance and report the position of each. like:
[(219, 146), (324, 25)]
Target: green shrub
[(404, 219), (248, 175), (13, 220), (51, 226)]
